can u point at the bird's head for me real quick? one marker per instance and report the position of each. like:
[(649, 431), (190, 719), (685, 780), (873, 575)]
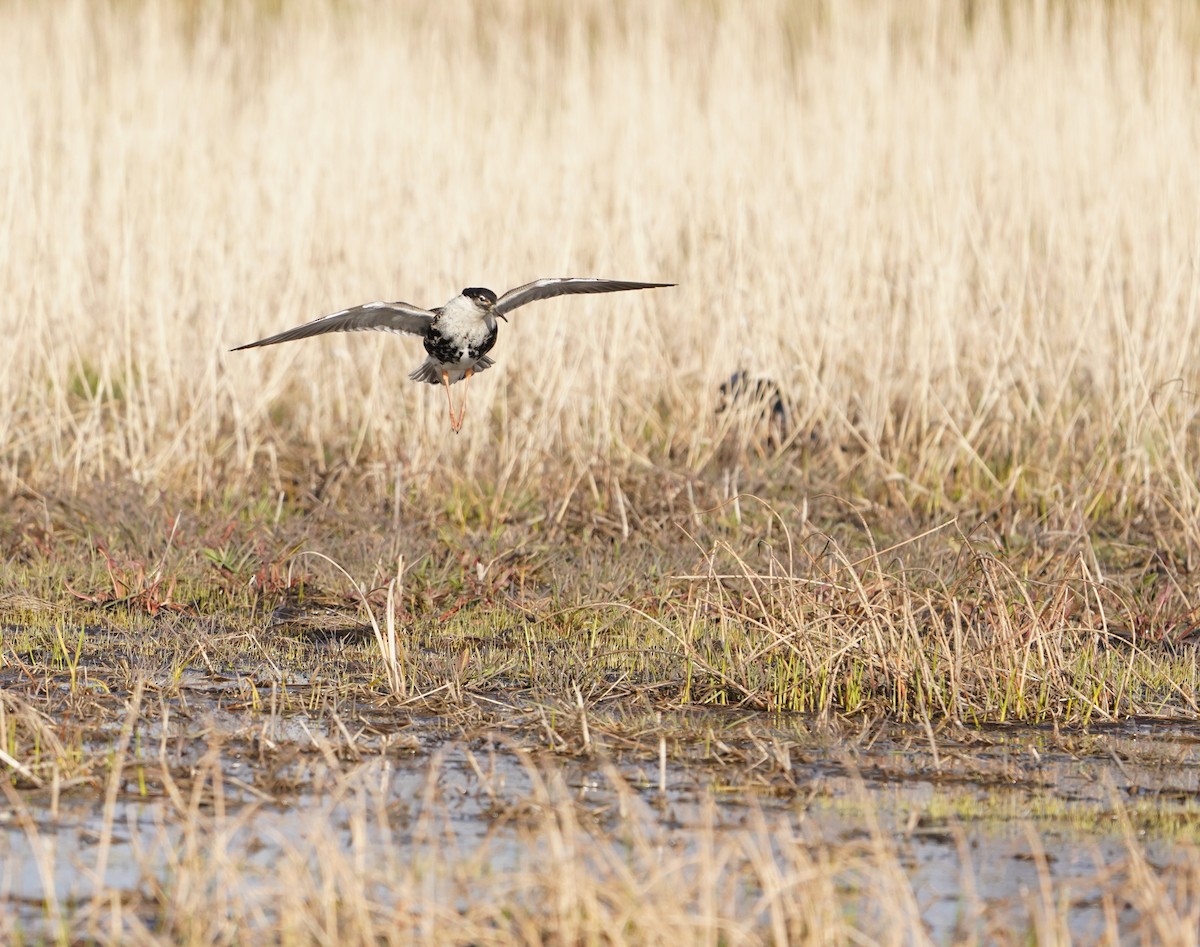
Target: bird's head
[(485, 299)]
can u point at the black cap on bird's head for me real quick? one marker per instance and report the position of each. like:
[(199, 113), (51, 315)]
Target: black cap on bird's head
[(480, 295), (485, 298)]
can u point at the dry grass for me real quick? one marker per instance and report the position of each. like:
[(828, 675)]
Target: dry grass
[(960, 239), (304, 818), (963, 246)]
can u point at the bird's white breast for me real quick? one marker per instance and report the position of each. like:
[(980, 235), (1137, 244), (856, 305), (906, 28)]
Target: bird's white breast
[(463, 322)]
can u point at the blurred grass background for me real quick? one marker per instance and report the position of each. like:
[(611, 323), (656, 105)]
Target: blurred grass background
[(961, 236)]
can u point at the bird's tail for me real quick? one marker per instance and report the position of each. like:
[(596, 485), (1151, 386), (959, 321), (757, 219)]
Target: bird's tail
[(430, 370)]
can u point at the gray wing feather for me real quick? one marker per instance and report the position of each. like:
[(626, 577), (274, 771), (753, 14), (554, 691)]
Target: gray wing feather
[(382, 317), (563, 286)]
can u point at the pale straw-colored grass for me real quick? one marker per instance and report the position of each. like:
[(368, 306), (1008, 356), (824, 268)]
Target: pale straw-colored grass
[(965, 245)]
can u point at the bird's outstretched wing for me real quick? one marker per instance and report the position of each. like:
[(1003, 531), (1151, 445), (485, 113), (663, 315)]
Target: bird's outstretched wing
[(382, 317), (562, 286)]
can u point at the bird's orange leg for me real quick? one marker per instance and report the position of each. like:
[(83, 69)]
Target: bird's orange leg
[(449, 400), (462, 412)]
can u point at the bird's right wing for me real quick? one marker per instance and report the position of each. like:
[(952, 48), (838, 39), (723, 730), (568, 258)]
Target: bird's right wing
[(382, 317), (564, 286)]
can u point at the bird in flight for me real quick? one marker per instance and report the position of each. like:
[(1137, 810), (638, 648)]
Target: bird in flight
[(458, 335)]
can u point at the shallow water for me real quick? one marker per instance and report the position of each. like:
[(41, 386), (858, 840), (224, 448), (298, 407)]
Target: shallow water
[(978, 820)]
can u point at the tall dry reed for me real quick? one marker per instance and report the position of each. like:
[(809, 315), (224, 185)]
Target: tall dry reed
[(962, 237)]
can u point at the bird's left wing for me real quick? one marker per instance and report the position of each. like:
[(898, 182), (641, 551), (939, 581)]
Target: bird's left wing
[(383, 317), (563, 286)]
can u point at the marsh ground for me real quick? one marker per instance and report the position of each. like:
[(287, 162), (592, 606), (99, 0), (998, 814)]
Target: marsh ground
[(284, 658)]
